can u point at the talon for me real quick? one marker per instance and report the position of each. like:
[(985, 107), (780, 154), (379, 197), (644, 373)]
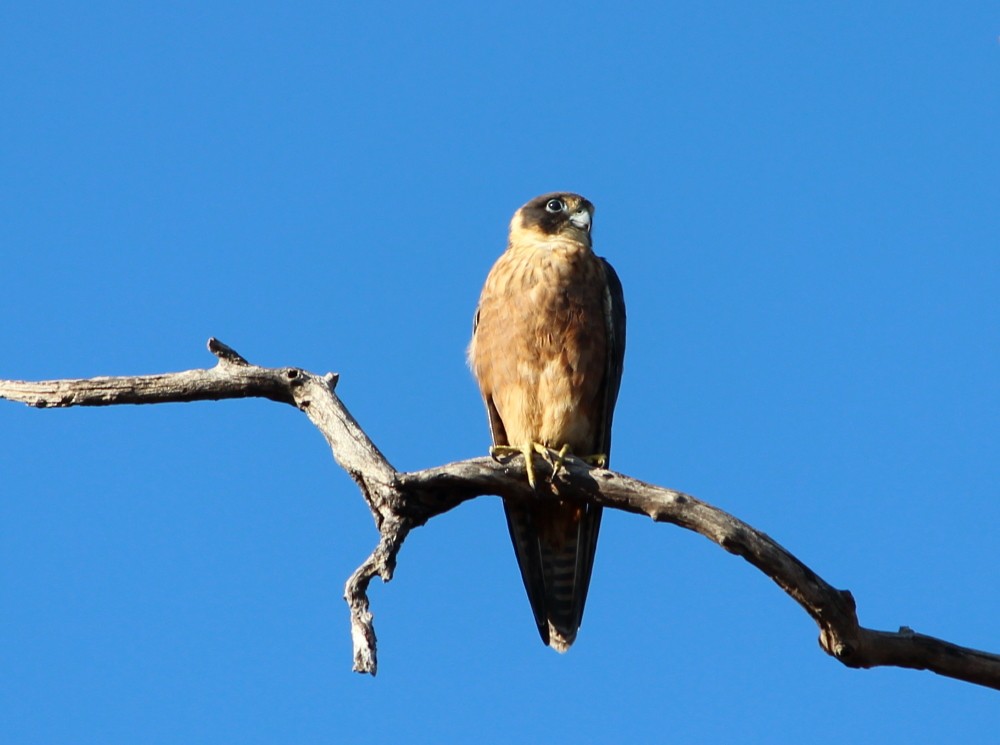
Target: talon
[(559, 460), (599, 460), (529, 466), (498, 451), (526, 451), (555, 459)]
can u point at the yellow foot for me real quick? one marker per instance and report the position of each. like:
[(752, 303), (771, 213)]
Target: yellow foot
[(528, 451), (560, 458), (600, 460)]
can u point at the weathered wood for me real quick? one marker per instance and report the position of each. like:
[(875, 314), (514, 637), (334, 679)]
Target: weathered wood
[(400, 502)]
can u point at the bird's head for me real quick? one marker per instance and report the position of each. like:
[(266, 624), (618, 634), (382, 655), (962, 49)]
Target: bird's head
[(556, 215)]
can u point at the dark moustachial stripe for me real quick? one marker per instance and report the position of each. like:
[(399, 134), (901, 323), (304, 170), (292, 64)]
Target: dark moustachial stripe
[(550, 223)]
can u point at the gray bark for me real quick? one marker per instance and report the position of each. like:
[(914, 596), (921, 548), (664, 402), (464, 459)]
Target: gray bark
[(400, 502)]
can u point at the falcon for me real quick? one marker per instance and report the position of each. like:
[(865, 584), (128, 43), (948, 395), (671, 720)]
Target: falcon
[(547, 349)]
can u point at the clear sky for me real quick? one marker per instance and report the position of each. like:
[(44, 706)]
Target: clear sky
[(803, 203)]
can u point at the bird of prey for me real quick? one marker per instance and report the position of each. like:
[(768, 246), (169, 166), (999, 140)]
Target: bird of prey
[(547, 348)]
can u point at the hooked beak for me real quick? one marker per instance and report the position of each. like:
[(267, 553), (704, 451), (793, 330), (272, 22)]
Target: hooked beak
[(581, 220)]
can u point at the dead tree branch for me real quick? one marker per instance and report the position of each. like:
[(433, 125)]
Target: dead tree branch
[(400, 502)]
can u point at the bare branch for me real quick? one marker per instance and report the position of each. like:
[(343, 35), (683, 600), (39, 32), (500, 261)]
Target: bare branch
[(402, 501), (382, 562), (234, 377)]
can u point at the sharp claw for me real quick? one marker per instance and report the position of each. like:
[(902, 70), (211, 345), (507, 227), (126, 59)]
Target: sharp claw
[(559, 460), (526, 451), (529, 466), (555, 462), (598, 460)]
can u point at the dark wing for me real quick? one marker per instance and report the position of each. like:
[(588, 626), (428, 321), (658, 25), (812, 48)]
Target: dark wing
[(590, 521), (614, 320)]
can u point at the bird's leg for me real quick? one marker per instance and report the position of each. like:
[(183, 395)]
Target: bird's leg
[(526, 450), (558, 461), (598, 460), (555, 458)]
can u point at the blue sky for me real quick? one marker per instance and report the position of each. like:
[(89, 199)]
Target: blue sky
[(802, 203)]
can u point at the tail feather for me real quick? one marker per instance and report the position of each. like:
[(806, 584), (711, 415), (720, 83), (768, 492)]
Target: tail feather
[(555, 545)]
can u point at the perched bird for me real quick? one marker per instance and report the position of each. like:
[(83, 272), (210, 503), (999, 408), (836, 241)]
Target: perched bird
[(547, 349)]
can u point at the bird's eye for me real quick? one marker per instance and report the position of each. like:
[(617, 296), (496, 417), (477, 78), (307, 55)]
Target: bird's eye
[(555, 205)]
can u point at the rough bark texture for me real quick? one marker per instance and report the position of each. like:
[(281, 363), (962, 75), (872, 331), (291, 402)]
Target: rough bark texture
[(400, 502)]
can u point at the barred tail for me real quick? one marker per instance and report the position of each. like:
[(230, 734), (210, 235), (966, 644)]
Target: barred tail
[(555, 544)]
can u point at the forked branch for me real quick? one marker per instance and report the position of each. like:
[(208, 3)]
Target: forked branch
[(400, 502)]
